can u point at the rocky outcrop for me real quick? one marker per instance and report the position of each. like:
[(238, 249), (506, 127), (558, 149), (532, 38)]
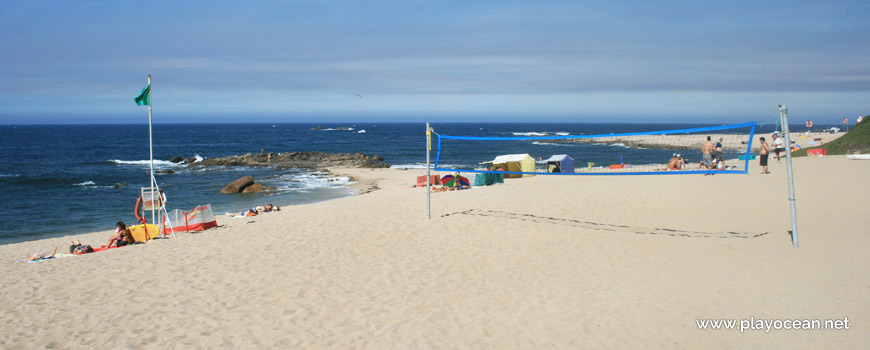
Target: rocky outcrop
[(182, 160), (254, 188), (239, 185), (308, 160)]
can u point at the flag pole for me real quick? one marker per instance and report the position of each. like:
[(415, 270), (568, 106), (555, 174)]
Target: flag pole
[(151, 153)]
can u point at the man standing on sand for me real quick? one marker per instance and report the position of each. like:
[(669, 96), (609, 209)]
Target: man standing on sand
[(707, 151), (717, 151), (762, 158)]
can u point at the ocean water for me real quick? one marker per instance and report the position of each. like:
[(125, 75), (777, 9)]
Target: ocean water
[(67, 179)]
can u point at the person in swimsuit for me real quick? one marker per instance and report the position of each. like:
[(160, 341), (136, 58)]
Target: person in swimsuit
[(37, 257), (707, 152), (121, 237), (675, 163), (76, 247), (763, 154)]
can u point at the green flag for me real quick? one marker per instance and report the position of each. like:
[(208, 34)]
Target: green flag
[(144, 98)]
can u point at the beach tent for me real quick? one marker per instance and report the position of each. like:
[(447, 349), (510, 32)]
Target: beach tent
[(199, 219), (488, 179), (560, 163), (515, 163)]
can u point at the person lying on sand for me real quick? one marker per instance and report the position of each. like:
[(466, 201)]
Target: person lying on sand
[(269, 207), (258, 210), (75, 247), (37, 257), (448, 188), (249, 212)]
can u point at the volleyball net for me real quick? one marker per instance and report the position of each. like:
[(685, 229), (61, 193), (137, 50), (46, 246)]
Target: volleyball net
[(636, 153)]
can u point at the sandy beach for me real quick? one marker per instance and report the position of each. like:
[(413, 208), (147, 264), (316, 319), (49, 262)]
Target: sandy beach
[(559, 262)]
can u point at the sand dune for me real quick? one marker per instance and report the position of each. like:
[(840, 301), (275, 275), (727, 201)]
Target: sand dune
[(542, 262)]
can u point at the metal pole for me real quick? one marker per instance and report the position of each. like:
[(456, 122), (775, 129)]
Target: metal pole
[(783, 112), (151, 152), (428, 190)]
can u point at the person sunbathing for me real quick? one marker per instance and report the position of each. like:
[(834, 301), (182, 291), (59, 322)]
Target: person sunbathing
[(121, 237), (249, 212), (270, 207), (37, 257), (76, 247)]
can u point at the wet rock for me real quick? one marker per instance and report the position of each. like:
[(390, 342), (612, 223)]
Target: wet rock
[(253, 188), (238, 185)]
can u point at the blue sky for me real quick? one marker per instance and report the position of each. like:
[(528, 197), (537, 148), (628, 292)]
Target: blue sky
[(310, 61)]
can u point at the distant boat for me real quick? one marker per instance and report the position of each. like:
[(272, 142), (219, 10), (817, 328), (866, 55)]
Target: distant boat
[(361, 131)]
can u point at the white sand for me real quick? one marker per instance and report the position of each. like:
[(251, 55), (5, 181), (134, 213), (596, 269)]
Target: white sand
[(544, 262)]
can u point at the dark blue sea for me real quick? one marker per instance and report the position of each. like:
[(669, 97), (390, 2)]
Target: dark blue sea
[(67, 179)]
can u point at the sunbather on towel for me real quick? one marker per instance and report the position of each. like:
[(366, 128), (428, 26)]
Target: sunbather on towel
[(75, 247), (249, 212), (37, 257), (121, 237), (270, 207)]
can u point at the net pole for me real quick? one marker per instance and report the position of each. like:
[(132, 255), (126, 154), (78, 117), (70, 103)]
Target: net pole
[(783, 112), (428, 177), (151, 153)]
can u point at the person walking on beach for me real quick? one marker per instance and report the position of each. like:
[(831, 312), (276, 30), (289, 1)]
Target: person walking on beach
[(777, 146), (707, 152), (762, 158)]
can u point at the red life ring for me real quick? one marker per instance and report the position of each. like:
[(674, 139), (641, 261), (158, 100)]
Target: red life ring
[(137, 208), (809, 124)]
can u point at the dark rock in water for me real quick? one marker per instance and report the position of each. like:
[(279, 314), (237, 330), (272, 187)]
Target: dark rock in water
[(122, 184), (317, 128), (308, 160), (182, 160), (253, 188), (238, 185), (167, 171)]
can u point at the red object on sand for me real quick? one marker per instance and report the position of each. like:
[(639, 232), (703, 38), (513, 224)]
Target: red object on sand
[(817, 152)]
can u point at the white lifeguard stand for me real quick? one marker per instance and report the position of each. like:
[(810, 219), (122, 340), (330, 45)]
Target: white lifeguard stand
[(151, 201), (154, 200)]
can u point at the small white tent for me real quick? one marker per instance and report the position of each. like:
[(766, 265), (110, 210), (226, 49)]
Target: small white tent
[(560, 163)]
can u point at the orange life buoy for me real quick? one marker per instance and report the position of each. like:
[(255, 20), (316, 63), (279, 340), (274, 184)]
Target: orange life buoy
[(137, 208), (809, 124)]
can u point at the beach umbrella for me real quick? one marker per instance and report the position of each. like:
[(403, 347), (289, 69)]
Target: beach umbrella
[(448, 178), (455, 181)]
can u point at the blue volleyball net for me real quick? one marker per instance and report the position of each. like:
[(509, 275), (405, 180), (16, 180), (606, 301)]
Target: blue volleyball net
[(637, 153)]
